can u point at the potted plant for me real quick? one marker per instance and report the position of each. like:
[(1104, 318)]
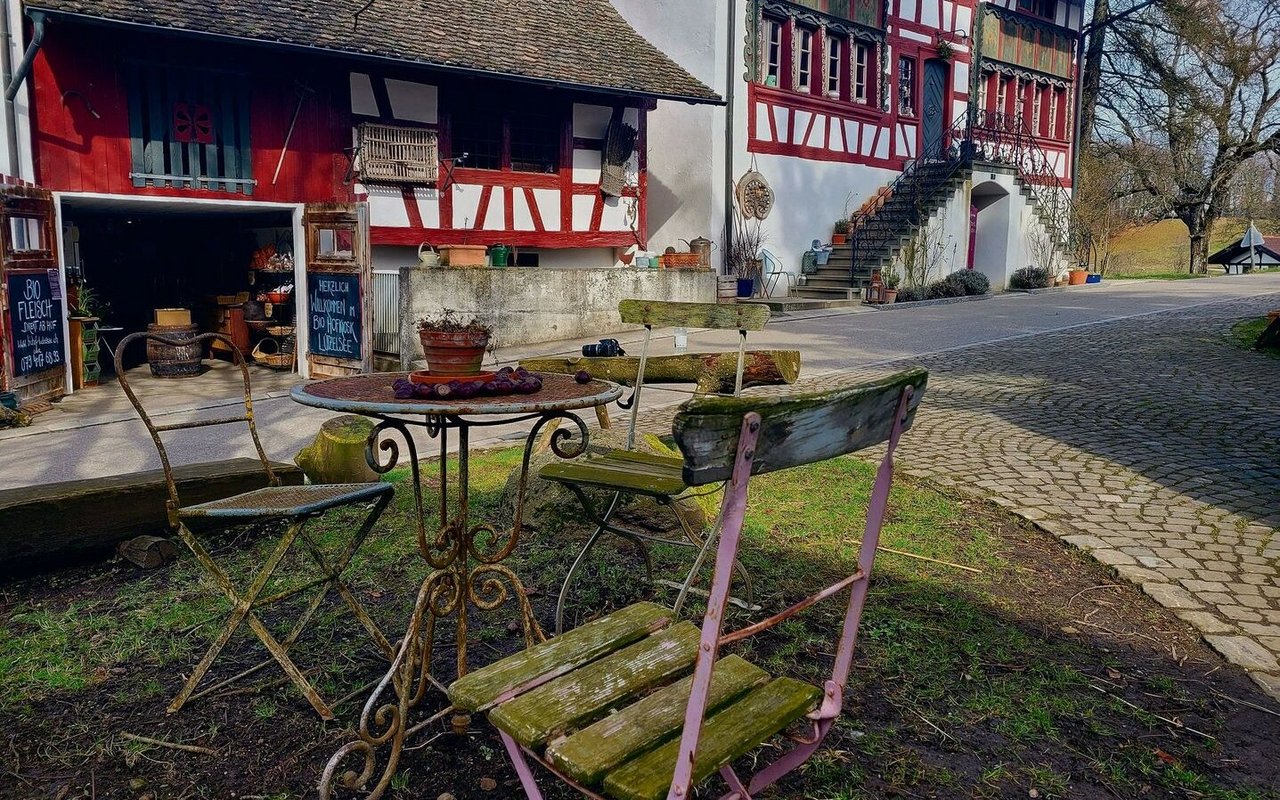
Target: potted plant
[(840, 231), (1078, 276), (890, 279), (453, 346), (742, 255)]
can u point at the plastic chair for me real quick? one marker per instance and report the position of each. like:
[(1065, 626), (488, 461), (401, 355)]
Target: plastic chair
[(288, 506), (773, 270), (607, 707)]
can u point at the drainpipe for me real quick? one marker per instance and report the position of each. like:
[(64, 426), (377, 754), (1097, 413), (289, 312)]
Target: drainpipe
[(37, 38), (6, 74), (730, 86)]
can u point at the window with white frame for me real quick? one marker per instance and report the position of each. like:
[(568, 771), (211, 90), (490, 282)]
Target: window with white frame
[(772, 52), (861, 74), (1046, 9), (1019, 101), (1054, 95), (835, 51), (1002, 95), (982, 95), (906, 86), (804, 60)]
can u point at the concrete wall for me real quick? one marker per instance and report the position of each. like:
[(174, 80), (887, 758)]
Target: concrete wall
[(1008, 228), (526, 306)]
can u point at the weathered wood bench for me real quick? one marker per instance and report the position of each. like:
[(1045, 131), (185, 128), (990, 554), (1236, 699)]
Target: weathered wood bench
[(54, 523), (639, 705)]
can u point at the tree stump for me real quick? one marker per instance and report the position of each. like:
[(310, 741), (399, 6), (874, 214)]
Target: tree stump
[(337, 454), (148, 552)]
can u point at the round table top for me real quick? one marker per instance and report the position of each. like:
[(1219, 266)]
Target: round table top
[(373, 394)]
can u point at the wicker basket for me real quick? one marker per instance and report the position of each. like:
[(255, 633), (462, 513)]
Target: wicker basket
[(282, 358), (681, 261), (398, 154)]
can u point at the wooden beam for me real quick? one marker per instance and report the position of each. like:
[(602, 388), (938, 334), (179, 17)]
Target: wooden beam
[(712, 372), (52, 524)]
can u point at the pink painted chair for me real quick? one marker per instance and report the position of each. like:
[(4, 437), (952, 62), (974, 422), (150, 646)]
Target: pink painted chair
[(619, 707)]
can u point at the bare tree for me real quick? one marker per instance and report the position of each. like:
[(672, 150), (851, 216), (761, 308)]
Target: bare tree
[(1193, 88)]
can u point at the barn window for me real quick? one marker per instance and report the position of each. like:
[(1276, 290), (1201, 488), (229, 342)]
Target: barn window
[(189, 129), (500, 130)]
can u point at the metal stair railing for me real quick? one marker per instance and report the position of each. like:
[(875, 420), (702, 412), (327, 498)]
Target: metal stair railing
[(1005, 139), (904, 202)]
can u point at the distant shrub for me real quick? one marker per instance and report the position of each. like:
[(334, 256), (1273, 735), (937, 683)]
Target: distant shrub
[(908, 294), (944, 288), (970, 280), (1031, 278)]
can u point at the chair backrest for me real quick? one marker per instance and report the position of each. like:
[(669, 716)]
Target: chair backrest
[(652, 314), (155, 430), (734, 438), (795, 430)]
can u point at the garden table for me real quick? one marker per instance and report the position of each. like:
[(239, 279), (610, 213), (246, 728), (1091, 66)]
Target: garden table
[(464, 556)]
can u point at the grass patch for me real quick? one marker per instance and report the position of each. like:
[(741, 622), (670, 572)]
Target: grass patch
[(956, 691), (1163, 248), (1153, 275), (1246, 332)]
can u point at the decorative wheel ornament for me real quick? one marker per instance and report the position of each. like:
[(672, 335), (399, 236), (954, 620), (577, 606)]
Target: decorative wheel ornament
[(192, 122), (755, 197)]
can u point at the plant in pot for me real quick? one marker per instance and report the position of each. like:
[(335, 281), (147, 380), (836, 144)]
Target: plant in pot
[(840, 231), (890, 278), (742, 255), (454, 346)]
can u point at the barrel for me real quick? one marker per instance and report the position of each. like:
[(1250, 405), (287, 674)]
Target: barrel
[(170, 361)]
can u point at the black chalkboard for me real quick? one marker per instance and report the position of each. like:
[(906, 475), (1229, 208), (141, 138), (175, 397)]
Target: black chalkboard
[(335, 315), (35, 323)]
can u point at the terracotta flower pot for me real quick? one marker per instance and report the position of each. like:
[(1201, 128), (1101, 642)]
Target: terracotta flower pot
[(1077, 277), (839, 238), (891, 295), (454, 353)]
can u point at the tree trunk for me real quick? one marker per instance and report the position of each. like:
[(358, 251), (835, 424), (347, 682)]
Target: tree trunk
[(1091, 75), (712, 372), (1199, 221), (338, 453)]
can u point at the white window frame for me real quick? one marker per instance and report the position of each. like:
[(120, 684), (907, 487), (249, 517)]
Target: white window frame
[(834, 52), (772, 51), (1002, 95), (1037, 114), (861, 62), (804, 60), (908, 109)]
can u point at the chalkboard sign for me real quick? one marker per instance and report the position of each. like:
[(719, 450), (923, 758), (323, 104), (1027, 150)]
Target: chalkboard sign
[(335, 315), (35, 323)]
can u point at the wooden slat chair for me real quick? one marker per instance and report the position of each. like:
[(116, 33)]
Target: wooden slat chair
[(287, 507), (624, 471), (638, 706)]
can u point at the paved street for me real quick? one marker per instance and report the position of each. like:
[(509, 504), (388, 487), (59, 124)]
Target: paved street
[(1120, 418)]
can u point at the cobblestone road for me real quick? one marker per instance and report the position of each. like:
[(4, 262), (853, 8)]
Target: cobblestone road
[(1152, 443)]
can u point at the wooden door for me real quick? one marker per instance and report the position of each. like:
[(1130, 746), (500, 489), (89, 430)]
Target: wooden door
[(338, 313), (33, 313), (934, 109)]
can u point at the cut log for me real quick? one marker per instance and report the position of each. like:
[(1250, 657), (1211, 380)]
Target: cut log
[(148, 552), (338, 453), (52, 524), (711, 372)]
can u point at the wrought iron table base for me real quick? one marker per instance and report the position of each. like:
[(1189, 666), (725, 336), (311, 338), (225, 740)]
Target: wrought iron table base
[(452, 585)]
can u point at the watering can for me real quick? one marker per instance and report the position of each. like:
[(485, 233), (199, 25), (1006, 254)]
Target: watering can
[(427, 255), (702, 246)]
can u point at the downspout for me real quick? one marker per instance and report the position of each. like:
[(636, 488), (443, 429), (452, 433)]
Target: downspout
[(37, 38), (729, 108), (14, 79)]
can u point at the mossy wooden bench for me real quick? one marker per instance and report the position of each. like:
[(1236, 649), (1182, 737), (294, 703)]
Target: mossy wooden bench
[(639, 705), (85, 518)]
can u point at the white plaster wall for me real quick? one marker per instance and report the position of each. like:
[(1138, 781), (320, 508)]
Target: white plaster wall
[(998, 256), (686, 142)]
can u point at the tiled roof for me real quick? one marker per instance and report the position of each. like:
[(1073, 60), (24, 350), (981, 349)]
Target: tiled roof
[(585, 43)]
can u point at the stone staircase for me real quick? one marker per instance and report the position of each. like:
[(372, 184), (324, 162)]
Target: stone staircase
[(883, 226)]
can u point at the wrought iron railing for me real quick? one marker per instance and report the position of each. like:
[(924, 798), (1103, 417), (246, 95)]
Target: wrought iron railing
[(1006, 139)]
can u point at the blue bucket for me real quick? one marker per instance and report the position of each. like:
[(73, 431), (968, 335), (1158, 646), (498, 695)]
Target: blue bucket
[(1093, 279)]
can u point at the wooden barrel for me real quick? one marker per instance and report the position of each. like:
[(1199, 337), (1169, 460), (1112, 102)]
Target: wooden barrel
[(170, 361)]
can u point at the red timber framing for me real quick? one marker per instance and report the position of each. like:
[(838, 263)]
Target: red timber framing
[(566, 225)]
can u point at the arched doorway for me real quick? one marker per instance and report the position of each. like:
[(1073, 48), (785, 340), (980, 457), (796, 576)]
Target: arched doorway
[(937, 77), (991, 218)]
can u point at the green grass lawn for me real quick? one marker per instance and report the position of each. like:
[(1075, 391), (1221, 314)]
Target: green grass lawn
[(1246, 332), (1162, 249), (967, 684)]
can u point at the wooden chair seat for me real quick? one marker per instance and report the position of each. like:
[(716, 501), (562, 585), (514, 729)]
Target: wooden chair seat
[(605, 703), (624, 471)]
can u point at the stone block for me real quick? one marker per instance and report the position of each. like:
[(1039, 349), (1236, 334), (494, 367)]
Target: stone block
[(1245, 652), (1170, 596), (1206, 622)]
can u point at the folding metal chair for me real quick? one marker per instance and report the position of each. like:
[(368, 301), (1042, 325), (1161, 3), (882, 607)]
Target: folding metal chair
[(611, 707), (773, 271), (625, 471), (289, 506)]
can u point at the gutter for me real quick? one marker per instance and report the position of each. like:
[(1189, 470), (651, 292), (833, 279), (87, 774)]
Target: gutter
[(328, 52), (37, 38), (731, 60)]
